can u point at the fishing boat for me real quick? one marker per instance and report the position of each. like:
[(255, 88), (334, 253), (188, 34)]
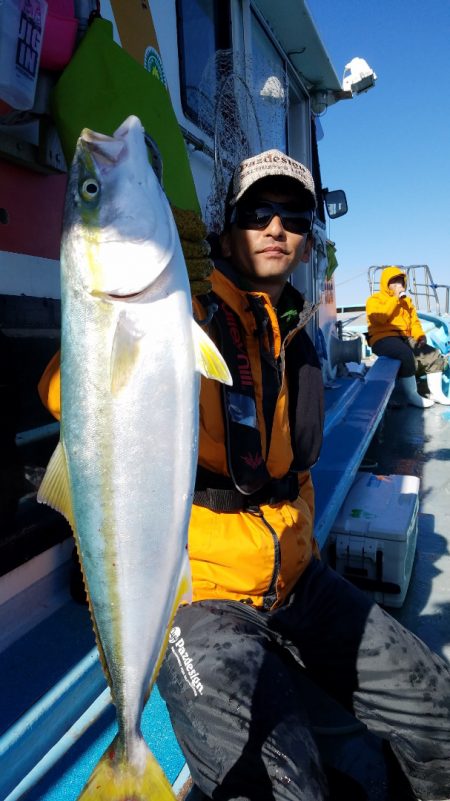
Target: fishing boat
[(241, 78)]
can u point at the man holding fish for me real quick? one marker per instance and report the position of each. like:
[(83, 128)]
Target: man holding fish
[(267, 617)]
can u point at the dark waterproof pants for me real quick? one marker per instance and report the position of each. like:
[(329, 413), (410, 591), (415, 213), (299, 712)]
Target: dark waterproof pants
[(415, 359), (233, 680)]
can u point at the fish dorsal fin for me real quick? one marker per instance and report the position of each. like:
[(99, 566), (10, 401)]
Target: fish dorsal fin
[(208, 359), (55, 486), (125, 352)]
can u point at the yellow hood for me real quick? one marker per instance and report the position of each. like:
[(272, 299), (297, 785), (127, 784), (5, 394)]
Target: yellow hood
[(388, 274)]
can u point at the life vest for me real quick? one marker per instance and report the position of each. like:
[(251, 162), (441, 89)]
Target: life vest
[(250, 481), (246, 463), (254, 547)]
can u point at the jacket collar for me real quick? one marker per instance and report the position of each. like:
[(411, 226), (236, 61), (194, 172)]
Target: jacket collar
[(232, 287)]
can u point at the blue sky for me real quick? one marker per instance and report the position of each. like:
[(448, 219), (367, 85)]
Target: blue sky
[(390, 147)]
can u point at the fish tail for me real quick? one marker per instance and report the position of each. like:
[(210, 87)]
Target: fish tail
[(115, 778)]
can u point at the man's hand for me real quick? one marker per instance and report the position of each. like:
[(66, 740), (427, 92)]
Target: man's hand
[(196, 250)]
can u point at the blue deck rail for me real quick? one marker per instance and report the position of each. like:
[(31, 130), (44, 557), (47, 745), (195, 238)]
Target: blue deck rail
[(350, 424), (51, 749)]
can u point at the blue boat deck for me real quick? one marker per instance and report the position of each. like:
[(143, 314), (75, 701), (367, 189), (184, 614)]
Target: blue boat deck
[(56, 659), (52, 666)]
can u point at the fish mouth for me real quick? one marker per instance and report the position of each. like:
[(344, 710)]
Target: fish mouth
[(105, 150), (126, 298), (130, 296)]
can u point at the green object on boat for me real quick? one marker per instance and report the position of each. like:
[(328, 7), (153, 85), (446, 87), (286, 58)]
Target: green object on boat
[(103, 85)]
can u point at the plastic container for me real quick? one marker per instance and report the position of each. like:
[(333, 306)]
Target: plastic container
[(21, 30), (375, 533), (60, 35)]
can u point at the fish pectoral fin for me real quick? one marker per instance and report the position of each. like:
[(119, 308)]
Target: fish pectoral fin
[(125, 352), (55, 486), (208, 359), (117, 779)]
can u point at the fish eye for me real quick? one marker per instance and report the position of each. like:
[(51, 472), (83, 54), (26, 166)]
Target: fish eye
[(90, 189)]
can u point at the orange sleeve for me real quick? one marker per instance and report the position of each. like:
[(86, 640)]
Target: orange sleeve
[(381, 308), (49, 386)]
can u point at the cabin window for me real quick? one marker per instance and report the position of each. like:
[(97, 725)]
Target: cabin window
[(315, 169), (269, 89), (203, 29)]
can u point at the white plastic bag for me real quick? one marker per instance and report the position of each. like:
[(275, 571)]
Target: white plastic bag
[(21, 33)]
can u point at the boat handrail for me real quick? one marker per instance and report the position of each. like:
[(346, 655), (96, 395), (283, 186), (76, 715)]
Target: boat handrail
[(447, 296), (349, 428)]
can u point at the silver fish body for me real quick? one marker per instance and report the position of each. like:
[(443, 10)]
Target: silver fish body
[(124, 471)]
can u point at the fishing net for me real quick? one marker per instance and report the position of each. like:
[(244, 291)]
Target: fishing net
[(243, 108)]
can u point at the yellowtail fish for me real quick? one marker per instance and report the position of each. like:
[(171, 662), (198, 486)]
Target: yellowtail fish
[(124, 470)]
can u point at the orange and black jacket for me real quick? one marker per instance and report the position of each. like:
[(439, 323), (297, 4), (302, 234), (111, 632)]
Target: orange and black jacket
[(389, 316), (257, 553), (252, 546)]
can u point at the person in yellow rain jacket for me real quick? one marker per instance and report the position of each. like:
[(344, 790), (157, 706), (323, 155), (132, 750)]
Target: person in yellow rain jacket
[(395, 331), (270, 619)]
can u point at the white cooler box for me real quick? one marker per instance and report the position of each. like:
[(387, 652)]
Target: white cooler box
[(375, 533)]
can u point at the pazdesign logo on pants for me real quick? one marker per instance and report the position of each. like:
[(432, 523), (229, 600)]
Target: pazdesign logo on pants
[(187, 668)]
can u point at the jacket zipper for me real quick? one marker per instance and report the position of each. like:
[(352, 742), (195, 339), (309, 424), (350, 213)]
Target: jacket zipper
[(271, 595)]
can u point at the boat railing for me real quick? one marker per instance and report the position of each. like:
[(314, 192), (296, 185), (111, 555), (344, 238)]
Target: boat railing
[(426, 294)]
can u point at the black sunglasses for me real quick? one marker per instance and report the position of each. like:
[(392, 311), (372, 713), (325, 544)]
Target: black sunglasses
[(258, 215)]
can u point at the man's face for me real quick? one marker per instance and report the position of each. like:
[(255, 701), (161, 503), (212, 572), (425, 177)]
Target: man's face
[(271, 254), (397, 284)]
